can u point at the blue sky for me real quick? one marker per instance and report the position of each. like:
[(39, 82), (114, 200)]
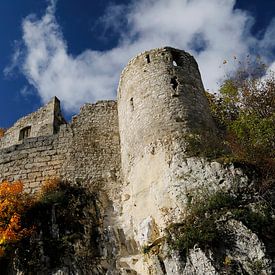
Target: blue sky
[(77, 49)]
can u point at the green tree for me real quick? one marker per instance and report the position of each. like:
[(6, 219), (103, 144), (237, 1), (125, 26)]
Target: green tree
[(244, 110)]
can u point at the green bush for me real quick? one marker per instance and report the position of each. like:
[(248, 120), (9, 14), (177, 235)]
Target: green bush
[(204, 144), (255, 134), (200, 224), (244, 111), (203, 223)]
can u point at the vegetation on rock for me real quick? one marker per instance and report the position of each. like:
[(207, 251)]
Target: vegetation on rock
[(13, 207), (206, 217), (244, 112), (55, 223), (199, 226)]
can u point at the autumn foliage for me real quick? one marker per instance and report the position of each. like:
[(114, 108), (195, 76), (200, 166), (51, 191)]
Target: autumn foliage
[(2, 132), (13, 204), (15, 208)]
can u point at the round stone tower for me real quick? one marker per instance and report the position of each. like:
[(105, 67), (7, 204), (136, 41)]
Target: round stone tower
[(161, 100)]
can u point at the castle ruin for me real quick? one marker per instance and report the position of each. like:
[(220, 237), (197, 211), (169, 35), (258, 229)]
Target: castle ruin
[(160, 97), (133, 152), (131, 148)]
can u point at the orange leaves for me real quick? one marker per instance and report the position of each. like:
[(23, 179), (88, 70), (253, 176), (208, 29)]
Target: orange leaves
[(8, 189), (50, 185), (2, 132), (10, 233), (13, 204), (10, 200), (14, 231), (14, 208)]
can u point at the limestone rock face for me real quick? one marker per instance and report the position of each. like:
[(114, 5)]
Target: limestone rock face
[(248, 248), (159, 208)]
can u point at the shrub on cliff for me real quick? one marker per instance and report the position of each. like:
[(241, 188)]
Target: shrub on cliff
[(204, 223), (199, 226), (41, 231), (13, 206), (2, 132), (244, 111), (66, 218)]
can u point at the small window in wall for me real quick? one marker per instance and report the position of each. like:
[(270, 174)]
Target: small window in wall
[(132, 104), (148, 58), (176, 59), (25, 133), (174, 83)]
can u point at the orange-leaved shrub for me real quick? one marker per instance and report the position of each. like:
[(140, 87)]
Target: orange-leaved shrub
[(13, 205), (2, 132)]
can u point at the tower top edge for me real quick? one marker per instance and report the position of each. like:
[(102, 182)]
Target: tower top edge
[(152, 51)]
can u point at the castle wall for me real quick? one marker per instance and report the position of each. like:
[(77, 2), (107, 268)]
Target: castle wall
[(134, 153), (35, 159), (43, 122), (133, 148), (94, 153), (86, 151)]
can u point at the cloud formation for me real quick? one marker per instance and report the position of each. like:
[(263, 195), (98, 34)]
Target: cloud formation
[(210, 30)]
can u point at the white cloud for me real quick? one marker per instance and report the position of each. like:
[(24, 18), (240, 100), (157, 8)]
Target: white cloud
[(8, 70), (26, 91), (210, 30), (53, 71)]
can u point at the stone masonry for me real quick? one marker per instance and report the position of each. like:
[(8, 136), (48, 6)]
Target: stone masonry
[(89, 145), (35, 160), (44, 122)]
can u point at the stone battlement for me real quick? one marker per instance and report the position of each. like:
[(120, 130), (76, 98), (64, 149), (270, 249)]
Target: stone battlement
[(44, 122), (84, 150)]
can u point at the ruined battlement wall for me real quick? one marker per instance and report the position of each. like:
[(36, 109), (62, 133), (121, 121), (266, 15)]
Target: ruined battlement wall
[(43, 122), (86, 150), (94, 154), (35, 159)]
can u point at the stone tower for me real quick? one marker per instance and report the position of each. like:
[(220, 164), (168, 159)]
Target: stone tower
[(160, 100)]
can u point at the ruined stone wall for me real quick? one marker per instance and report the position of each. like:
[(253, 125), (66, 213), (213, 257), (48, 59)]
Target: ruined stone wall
[(85, 151), (94, 153), (43, 122), (35, 159)]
